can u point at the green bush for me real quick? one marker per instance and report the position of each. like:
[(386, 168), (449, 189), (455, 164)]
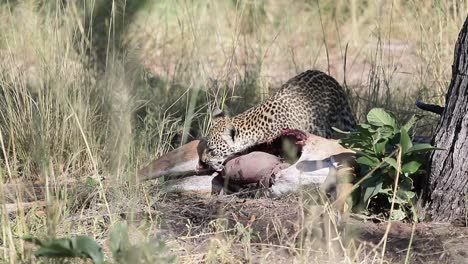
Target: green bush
[(85, 247), (388, 162)]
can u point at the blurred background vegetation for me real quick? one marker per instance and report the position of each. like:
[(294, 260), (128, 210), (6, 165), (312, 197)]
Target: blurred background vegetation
[(100, 87)]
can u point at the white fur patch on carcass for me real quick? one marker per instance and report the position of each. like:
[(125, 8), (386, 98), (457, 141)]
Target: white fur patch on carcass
[(302, 173)]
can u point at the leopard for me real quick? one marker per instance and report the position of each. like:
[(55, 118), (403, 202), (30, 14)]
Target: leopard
[(312, 101)]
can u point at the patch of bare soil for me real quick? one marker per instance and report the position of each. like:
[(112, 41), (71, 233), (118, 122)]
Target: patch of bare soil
[(262, 214), (432, 242), (280, 225)]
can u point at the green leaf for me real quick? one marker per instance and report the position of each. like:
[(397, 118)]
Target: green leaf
[(118, 240), (57, 248), (379, 147), (386, 191), (397, 199), (379, 117), (424, 147), (405, 196), (392, 162), (397, 215), (406, 183), (411, 167), (402, 197), (80, 246), (385, 132), (33, 240), (367, 160), (88, 247), (91, 182), (366, 153), (365, 126), (371, 187), (405, 141), (341, 131), (363, 129), (410, 123), (372, 190)]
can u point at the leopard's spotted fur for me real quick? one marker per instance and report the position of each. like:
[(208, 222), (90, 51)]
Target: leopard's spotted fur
[(312, 101)]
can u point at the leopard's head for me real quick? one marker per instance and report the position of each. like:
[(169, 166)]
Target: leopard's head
[(220, 142)]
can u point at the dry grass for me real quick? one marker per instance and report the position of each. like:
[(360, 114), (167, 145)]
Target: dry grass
[(90, 90)]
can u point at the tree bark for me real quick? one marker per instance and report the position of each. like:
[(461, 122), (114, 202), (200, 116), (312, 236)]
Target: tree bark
[(447, 186)]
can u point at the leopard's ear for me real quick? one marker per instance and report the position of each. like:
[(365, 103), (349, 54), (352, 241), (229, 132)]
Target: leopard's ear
[(217, 113)]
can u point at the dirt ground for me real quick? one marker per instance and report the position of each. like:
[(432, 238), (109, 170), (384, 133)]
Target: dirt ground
[(284, 226), (291, 229)]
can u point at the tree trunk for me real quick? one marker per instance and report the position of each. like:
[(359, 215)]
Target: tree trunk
[(447, 186)]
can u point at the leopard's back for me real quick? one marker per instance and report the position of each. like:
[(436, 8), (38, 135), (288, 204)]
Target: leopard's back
[(312, 101)]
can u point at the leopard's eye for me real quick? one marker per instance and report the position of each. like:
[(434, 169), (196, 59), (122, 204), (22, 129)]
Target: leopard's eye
[(212, 152)]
